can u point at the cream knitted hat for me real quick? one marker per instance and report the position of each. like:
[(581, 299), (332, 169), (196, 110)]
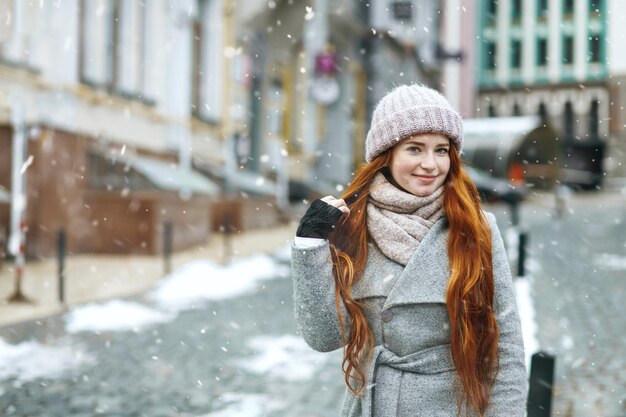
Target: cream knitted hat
[(408, 110)]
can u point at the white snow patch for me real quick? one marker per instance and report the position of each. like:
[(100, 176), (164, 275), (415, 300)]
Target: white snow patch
[(114, 315), (249, 405), (284, 357), (31, 360), (567, 342), (610, 261), (283, 254), (527, 317), (510, 236), (204, 280)]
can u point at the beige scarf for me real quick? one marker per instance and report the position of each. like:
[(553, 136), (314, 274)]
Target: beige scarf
[(397, 220)]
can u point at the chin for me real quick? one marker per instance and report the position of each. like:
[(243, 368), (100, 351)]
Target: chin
[(422, 191)]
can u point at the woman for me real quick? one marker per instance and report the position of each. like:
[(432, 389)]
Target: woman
[(410, 277)]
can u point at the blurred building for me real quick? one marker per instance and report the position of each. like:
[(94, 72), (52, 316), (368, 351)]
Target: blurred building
[(562, 60), (117, 117), (456, 52), (105, 107), (318, 70)]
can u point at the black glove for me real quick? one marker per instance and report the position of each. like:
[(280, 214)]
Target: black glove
[(318, 220)]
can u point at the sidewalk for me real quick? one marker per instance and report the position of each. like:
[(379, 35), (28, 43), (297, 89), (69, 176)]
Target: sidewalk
[(99, 277)]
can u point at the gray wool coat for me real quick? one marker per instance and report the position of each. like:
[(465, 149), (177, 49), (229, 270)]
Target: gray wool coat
[(411, 372)]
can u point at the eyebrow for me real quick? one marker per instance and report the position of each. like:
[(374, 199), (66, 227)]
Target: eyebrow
[(415, 142)]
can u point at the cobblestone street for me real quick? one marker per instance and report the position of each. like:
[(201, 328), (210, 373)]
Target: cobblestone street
[(240, 355), (579, 291), (577, 267), (232, 357)]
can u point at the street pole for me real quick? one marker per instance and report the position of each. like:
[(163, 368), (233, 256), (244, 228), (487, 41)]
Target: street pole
[(540, 384), (61, 264), (315, 39), (521, 255), (168, 237), (17, 240)]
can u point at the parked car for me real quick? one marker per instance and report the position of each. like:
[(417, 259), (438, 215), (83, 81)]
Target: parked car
[(492, 189)]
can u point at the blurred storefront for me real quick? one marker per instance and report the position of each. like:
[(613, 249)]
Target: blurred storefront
[(318, 69), (158, 84), (563, 63)]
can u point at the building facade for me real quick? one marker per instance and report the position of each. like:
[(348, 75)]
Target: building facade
[(316, 117), (120, 105), (105, 107), (561, 60)]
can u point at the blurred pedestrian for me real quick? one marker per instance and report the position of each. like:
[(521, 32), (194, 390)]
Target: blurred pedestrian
[(410, 276), (562, 194)]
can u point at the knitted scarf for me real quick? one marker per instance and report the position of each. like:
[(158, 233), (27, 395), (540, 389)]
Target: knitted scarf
[(397, 220)]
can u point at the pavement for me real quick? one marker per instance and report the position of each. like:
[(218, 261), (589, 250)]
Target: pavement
[(235, 355), (92, 277), (576, 266)]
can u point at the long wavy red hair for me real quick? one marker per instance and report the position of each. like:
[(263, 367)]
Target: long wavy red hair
[(469, 295)]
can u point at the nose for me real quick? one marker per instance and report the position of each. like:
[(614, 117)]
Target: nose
[(428, 161)]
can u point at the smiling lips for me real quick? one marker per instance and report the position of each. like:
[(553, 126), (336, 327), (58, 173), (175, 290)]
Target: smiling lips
[(426, 178)]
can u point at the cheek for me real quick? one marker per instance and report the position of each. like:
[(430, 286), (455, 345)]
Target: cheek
[(402, 167), (444, 166)]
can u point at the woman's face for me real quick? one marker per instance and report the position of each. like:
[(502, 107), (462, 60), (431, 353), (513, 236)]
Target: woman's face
[(420, 163)]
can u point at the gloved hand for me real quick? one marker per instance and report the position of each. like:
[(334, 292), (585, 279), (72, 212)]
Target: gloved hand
[(318, 220)]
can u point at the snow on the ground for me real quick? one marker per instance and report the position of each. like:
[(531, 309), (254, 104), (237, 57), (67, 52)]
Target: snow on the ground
[(510, 237), (115, 315), (610, 261), (284, 357), (204, 280), (523, 293), (194, 282), (283, 254), (31, 360), (249, 405), (523, 287)]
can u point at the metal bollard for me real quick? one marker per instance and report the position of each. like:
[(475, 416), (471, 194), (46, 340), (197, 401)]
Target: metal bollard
[(515, 213), (61, 261), (521, 254), (539, 402), (228, 240), (167, 247)]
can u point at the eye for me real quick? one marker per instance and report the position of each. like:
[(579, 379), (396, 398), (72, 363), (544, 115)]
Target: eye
[(413, 149), (442, 151)]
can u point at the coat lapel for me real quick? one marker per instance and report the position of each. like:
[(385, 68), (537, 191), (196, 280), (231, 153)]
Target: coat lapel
[(379, 277), (425, 278)]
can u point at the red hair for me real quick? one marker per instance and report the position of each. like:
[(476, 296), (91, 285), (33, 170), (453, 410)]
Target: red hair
[(469, 295)]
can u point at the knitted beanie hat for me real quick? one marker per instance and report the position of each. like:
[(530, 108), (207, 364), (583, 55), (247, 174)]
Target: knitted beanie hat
[(408, 110)]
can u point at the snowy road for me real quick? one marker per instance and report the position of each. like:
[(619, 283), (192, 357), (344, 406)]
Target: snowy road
[(208, 341), (222, 342)]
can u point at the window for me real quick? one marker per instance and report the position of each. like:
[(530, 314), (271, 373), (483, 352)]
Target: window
[(568, 7), (130, 49), (516, 9), (492, 8), (594, 119), (99, 54), (207, 56), (516, 54), (543, 112), (595, 49), (568, 50), (542, 8), (542, 52), (490, 56), (568, 121), (196, 64)]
